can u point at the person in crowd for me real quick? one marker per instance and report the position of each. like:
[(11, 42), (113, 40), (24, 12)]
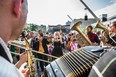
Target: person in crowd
[(44, 42), (57, 43), (63, 40), (73, 44), (13, 15), (34, 39), (50, 45), (92, 36), (68, 41), (41, 46), (28, 36)]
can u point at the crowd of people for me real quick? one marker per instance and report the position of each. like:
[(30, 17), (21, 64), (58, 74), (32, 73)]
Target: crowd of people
[(13, 15), (58, 43)]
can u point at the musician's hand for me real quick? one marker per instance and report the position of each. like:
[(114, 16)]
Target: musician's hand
[(25, 72), (23, 59)]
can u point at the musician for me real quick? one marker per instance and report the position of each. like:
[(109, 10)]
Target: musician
[(57, 43), (105, 66), (112, 30), (92, 36), (13, 14)]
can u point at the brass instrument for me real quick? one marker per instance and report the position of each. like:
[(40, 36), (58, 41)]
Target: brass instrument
[(31, 62), (106, 31), (101, 26), (82, 39)]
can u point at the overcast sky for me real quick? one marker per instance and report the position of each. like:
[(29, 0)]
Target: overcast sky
[(55, 12)]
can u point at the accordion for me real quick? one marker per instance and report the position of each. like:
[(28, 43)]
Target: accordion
[(72, 64)]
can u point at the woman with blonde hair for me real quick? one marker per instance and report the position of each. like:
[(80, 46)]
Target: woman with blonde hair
[(57, 43)]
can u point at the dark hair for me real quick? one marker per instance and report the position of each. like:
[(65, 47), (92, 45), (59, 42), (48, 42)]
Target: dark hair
[(41, 34), (74, 40), (90, 27), (72, 34)]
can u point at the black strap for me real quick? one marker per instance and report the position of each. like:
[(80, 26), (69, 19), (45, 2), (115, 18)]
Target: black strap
[(3, 53)]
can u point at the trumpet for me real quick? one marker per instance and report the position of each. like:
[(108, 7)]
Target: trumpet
[(31, 62)]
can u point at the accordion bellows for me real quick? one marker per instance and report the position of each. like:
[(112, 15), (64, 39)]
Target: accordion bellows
[(73, 64)]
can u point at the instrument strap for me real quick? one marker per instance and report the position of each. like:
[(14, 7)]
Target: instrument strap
[(3, 53)]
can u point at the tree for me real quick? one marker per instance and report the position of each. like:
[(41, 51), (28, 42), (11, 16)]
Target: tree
[(31, 27), (34, 27)]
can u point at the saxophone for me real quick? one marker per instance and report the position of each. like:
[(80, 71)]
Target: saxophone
[(31, 61)]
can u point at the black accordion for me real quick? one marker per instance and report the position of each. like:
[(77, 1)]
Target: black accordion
[(72, 64)]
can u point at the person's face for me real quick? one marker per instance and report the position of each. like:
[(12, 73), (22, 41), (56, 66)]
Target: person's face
[(57, 34), (40, 33), (112, 28), (88, 29), (20, 22), (33, 35), (40, 38)]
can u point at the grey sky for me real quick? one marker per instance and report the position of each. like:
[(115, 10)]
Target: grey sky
[(55, 12)]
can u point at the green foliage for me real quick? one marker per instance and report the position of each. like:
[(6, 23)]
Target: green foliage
[(34, 27), (42, 27)]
